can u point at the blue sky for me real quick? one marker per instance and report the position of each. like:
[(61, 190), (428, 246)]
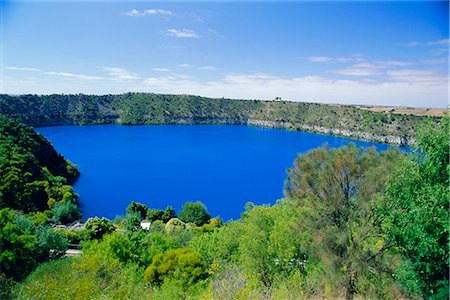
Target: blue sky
[(390, 53)]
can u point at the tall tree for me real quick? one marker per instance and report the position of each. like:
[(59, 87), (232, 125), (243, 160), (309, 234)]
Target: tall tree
[(415, 210), (337, 189)]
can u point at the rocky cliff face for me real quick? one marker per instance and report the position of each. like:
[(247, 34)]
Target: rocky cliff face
[(389, 139)]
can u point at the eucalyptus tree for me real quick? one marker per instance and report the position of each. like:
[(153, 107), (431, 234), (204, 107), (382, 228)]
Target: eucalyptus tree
[(337, 190)]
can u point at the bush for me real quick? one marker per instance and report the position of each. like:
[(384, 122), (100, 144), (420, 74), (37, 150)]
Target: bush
[(96, 227), (194, 212), (168, 214), (138, 208), (66, 212), (174, 225), (154, 214), (184, 264)]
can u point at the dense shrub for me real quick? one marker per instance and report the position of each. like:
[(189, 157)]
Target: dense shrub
[(194, 212), (96, 228), (184, 264), (66, 212)]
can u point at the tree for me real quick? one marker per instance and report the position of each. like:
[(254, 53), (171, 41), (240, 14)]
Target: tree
[(194, 212), (169, 213), (96, 228), (66, 212), (23, 245), (137, 208), (337, 189), (154, 214), (184, 264), (415, 209)]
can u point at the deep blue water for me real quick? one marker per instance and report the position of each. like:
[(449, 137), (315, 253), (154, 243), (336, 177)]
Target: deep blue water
[(222, 166)]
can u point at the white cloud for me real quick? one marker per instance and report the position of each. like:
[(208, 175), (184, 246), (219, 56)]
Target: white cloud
[(149, 12), (158, 12), (435, 61), (185, 65), (357, 71), (442, 42), (409, 44), (439, 51), (22, 69), (417, 76), (330, 59), (133, 13), (182, 33), (182, 76), (121, 74), (206, 68), (75, 75), (308, 88), (320, 59), (160, 70), (392, 63)]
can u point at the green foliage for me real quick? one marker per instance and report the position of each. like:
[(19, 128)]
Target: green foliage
[(415, 209), (139, 209), (146, 108), (337, 189), (184, 264), (66, 212), (32, 175), (23, 245), (96, 228), (163, 215), (154, 214), (169, 213), (175, 225), (133, 221), (195, 213)]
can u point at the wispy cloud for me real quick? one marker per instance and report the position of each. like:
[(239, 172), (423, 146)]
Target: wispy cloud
[(435, 61), (417, 76), (365, 68), (330, 59), (409, 44), (206, 68), (149, 12), (439, 51), (392, 63), (22, 69), (442, 42), (182, 33), (121, 74), (356, 72), (308, 88), (185, 65), (74, 75), (160, 70)]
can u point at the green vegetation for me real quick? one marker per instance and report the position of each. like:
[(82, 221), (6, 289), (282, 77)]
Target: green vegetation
[(145, 108), (415, 210), (195, 212), (354, 223), (33, 177)]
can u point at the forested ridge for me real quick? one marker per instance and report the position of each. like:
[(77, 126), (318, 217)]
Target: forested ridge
[(147, 108), (354, 222)]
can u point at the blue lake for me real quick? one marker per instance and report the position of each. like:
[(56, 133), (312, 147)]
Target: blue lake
[(222, 166)]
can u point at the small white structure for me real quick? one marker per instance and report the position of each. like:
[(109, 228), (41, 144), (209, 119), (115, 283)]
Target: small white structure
[(145, 225)]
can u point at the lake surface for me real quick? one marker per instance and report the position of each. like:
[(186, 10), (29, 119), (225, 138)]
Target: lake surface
[(223, 166)]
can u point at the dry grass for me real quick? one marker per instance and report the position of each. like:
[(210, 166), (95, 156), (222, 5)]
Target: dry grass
[(431, 112)]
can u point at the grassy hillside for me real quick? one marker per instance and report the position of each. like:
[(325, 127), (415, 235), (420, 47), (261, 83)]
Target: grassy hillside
[(144, 108)]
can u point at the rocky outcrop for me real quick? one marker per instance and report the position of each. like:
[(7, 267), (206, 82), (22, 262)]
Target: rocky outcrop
[(366, 136)]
